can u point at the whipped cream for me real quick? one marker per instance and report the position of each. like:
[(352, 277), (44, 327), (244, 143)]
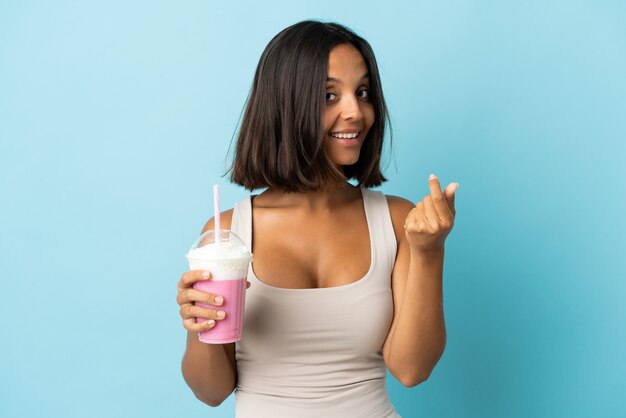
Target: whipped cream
[(226, 260), (223, 251)]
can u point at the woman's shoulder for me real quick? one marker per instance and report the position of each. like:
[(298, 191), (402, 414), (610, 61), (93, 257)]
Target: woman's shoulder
[(226, 218), (399, 208), (399, 205)]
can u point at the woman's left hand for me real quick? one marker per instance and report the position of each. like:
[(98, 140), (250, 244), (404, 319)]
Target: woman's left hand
[(431, 220)]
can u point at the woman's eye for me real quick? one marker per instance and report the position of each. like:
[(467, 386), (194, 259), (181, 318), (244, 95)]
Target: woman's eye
[(328, 96), (364, 93)]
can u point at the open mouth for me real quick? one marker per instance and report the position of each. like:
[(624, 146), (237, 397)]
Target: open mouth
[(352, 135)]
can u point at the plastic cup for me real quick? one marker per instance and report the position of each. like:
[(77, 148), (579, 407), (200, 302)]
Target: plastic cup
[(228, 260)]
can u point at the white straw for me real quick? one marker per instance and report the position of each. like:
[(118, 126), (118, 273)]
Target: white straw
[(216, 211)]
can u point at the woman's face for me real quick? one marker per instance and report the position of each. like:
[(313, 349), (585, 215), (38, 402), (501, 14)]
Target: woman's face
[(348, 111)]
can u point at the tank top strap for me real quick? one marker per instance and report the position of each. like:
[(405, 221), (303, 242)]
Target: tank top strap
[(383, 237), (241, 223)]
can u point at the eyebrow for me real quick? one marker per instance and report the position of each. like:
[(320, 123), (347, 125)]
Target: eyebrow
[(366, 75)]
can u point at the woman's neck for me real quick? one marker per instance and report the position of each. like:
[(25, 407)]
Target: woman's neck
[(326, 198)]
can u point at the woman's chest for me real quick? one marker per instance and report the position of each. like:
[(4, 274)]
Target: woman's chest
[(299, 252)]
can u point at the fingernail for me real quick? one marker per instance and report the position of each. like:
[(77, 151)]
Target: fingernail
[(219, 300), (206, 274), (210, 322), (221, 314), (432, 177)]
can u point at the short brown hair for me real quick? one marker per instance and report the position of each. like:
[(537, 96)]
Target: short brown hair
[(280, 141)]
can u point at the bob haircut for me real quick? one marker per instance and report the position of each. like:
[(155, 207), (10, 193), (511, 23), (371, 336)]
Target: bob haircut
[(280, 141)]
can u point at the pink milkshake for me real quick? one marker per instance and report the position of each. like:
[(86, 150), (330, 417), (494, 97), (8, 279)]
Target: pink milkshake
[(227, 259)]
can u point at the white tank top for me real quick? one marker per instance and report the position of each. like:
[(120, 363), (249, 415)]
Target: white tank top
[(318, 352)]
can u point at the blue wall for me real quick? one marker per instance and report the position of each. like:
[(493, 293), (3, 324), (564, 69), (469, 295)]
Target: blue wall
[(115, 120)]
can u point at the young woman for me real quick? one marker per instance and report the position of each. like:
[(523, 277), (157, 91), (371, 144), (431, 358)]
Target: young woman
[(346, 282)]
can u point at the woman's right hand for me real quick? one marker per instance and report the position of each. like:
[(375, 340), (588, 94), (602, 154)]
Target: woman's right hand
[(188, 296)]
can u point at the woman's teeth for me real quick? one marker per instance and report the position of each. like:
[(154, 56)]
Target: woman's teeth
[(345, 136)]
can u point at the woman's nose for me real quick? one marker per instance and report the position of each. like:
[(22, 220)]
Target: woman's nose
[(350, 108)]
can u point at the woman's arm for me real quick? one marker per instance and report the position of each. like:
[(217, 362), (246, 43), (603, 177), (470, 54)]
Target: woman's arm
[(210, 370), (417, 337)]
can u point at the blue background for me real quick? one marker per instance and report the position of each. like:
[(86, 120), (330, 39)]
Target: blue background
[(115, 121)]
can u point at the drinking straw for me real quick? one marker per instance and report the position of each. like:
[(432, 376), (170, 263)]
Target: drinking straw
[(216, 211)]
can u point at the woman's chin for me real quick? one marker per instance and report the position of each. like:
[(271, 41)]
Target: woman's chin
[(343, 161)]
